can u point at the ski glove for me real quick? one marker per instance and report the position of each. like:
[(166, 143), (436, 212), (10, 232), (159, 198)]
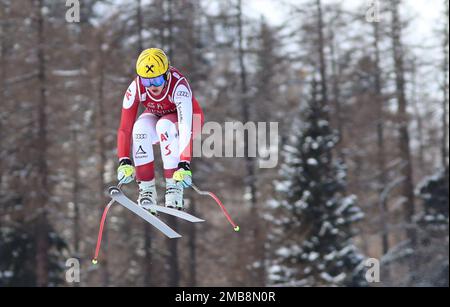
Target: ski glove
[(126, 171), (183, 175)]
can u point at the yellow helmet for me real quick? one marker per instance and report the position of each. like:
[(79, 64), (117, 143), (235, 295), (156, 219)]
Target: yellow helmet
[(152, 63)]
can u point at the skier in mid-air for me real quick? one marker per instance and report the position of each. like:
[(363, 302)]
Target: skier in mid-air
[(172, 118)]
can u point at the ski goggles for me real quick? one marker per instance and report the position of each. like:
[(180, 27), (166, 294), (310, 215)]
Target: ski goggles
[(157, 81)]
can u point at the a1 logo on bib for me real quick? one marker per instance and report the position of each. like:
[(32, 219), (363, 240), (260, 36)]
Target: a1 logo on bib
[(128, 98), (176, 75)]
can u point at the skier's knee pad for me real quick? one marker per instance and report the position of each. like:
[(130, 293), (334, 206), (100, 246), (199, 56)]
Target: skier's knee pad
[(167, 130), (145, 128), (168, 140), (144, 136)]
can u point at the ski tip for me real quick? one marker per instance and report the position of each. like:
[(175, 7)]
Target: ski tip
[(94, 261), (113, 190), (237, 228), (197, 220)]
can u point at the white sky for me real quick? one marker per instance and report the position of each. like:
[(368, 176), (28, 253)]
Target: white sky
[(426, 18), (428, 12)]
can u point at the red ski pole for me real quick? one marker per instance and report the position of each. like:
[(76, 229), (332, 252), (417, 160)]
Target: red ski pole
[(213, 196), (100, 232)]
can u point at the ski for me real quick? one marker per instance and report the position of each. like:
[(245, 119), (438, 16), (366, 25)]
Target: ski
[(170, 211), (117, 195), (177, 213)]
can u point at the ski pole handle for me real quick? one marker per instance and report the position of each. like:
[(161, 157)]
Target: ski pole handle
[(224, 210)]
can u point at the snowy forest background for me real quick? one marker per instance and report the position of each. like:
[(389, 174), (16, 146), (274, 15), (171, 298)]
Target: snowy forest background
[(363, 116)]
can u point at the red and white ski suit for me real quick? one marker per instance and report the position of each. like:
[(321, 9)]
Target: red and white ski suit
[(171, 119)]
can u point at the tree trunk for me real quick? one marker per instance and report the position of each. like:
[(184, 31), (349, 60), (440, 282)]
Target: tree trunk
[(250, 178), (193, 250), (3, 36), (41, 199), (381, 149), (381, 161), (139, 23), (76, 192), (100, 140), (84, 87), (336, 95), (322, 62), (75, 195), (445, 64), (418, 115), (403, 122), (174, 270)]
